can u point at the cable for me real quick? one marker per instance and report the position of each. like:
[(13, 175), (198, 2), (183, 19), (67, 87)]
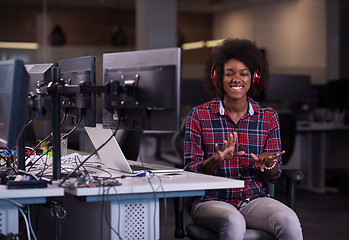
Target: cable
[(20, 206), (93, 153), (38, 145), (9, 162), (119, 212), (66, 135), (76, 125), (101, 217), (28, 173), (100, 169), (42, 155), (25, 126), (76, 158), (165, 204), (26, 223), (30, 225), (154, 195)]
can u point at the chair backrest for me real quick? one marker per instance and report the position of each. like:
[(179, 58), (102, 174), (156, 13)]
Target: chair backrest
[(287, 120), (178, 142)]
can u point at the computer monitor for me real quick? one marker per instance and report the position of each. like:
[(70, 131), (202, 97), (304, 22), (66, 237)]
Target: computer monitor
[(75, 72), (40, 76), (193, 93), (337, 94), (289, 88), (14, 81), (145, 90)]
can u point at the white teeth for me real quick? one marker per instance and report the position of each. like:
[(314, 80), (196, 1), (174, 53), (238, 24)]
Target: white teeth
[(237, 88)]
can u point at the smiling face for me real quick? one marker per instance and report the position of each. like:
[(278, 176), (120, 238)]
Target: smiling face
[(236, 79)]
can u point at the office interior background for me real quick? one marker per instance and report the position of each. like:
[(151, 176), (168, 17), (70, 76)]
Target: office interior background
[(297, 37)]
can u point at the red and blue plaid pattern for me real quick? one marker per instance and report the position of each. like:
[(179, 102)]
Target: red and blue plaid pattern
[(258, 131)]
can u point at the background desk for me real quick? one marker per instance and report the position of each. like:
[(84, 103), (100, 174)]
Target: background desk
[(314, 149), (9, 212), (136, 203)]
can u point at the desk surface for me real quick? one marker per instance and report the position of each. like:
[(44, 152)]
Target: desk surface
[(50, 191), (321, 127), (162, 183)]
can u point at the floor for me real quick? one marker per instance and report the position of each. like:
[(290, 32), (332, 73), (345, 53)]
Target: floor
[(323, 216)]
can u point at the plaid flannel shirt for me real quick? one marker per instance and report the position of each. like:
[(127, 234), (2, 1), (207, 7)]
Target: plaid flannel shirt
[(258, 131)]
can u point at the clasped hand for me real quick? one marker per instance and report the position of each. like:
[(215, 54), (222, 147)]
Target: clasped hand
[(227, 153)]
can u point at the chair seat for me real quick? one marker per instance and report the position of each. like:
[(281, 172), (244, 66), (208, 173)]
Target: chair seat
[(195, 232)]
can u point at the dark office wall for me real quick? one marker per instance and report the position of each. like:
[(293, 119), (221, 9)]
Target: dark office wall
[(81, 26), (94, 26)]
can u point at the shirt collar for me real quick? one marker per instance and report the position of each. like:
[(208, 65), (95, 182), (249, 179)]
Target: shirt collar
[(250, 107)]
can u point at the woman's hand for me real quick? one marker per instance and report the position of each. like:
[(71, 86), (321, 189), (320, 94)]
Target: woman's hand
[(267, 160), (227, 151)]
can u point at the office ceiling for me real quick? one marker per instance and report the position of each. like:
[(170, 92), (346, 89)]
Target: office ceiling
[(183, 5)]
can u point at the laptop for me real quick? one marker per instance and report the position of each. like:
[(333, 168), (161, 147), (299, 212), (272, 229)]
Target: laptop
[(112, 156)]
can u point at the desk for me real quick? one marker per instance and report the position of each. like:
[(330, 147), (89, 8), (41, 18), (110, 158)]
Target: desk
[(9, 212), (136, 204), (312, 153)]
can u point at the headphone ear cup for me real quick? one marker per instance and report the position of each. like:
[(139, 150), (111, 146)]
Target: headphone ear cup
[(213, 76), (256, 77)]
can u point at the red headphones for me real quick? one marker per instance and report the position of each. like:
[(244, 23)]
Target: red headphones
[(213, 76), (256, 76)]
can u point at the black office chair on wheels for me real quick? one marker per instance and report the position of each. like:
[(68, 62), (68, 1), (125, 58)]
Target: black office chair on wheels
[(288, 124), (194, 232)]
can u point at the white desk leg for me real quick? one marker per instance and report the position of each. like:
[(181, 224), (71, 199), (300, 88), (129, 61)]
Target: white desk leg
[(315, 154), (8, 219), (313, 166), (319, 164), (135, 219), (307, 160)]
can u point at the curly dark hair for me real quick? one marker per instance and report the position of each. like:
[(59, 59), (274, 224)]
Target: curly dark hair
[(240, 49)]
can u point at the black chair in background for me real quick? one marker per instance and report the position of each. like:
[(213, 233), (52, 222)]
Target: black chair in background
[(288, 125), (194, 232)]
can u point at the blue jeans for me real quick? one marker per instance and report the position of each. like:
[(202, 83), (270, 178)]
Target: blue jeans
[(265, 213)]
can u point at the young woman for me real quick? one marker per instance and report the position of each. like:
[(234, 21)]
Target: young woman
[(236, 137)]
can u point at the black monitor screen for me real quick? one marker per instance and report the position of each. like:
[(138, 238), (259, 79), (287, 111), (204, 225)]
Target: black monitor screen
[(337, 94), (190, 97), (145, 89), (14, 81), (74, 72), (290, 88)]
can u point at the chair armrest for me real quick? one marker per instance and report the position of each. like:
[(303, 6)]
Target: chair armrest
[(294, 174)]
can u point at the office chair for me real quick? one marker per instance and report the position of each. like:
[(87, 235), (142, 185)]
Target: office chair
[(194, 232), (288, 124)]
